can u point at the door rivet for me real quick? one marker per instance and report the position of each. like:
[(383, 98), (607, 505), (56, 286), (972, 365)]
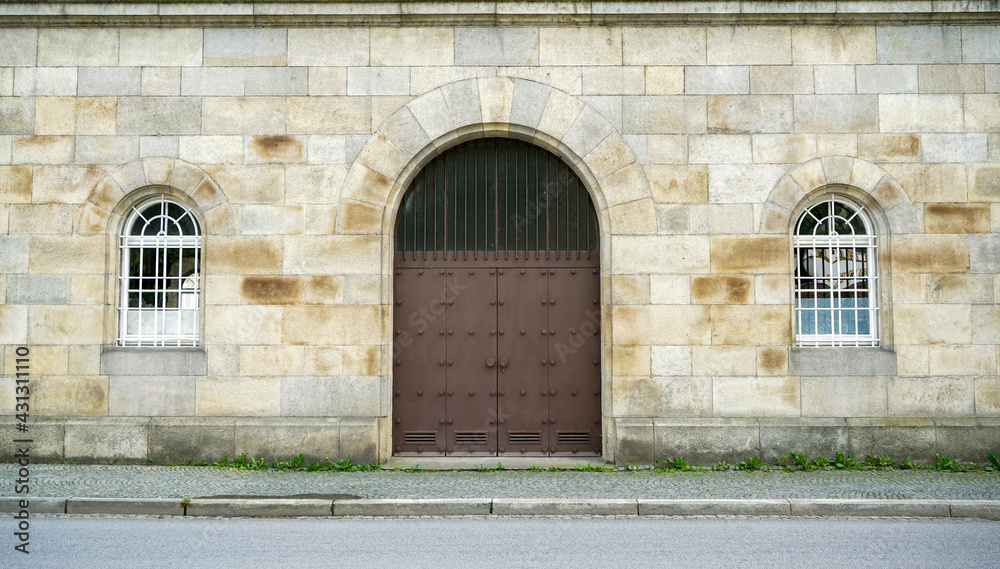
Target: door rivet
[(450, 362), (492, 421), (501, 393), (398, 421), (552, 392), (522, 271), (399, 271), (545, 392), (545, 421), (544, 331), (492, 302), (594, 301), (501, 332), (574, 449), (572, 271), (472, 392), (440, 271), (399, 301), (398, 332), (502, 449), (492, 332), (597, 419), (420, 392), (398, 362), (398, 392), (449, 421), (450, 271), (501, 420), (451, 302), (449, 331), (493, 271), (522, 331), (543, 362), (552, 362), (493, 392), (440, 421), (596, 362), (472, 271), (420, 449), (597, 391), (574, 392), (441, 362), (420, 332), (420, 271), (544, 301), (441, 332), (472, 332), (441, 392), (523, 392), (552, 301), (399, 449), (501, 271), (552, 420), (501, 302), (522, 449)]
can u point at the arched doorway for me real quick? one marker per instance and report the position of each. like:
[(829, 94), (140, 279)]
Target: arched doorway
[(496, 345)]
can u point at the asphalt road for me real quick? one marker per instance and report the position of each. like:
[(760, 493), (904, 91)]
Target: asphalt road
[(106, 542)]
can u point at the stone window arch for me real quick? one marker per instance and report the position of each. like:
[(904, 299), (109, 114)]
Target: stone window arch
[(836, 280), (160, 260)]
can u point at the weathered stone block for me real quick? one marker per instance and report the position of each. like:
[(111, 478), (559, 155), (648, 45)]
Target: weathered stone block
[(781, 79), (66, 324), (412, 46), (645, 325), (750, 113), (151, 395), (749, 45), (316, 438), (614, 80), (337, 325), (723, 360), (243, 324), (47, 446), (889, 147), (174, 47), (630, 289), (951, 78), (259, 46), (962, 360), (986, 324), (750, 324), (662, 396), (719, 149), (985, 185), (175, 440), (81, 115), (329, 115), (755, 396), (967, 439), (984, 253), (244, 255), (347, 46), (932, 324), (14, 320), (244, 115), (22, 47), (665, 80), (959, 289), (706, 441), (106, 149), (209, 149), (931, 396), (580, 46), (821, 436), (844, 396), (742, 183), (720, 289), (837, 113), (717, 80), (784, 148), (955, 147), (670, 360), (931, 254), (43, 149), (772, 289), (366, 81), (330, 396), (957, 218), (496, 46), (899, 438), (673, 219), (344, 254), (327, 80), (988, 396), (17, 115), (980, 114), (749, 254), (835, 44), (678, 184), (886, 78), (109, 81), (847, 362), (834, 79), (919, 44), (153, 362), (359, 439), (107, 439), (238, 396), (721, 218), (653, 114), (634, 441), (664, 46), (979, 44), (643, 254), (159, 115), (15, 184), (38, 289), (271, 360), (213, 81), (76, 396), (45, 81), (920, 113)]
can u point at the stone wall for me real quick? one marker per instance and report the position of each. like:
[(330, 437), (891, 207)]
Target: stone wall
[(699, 143)]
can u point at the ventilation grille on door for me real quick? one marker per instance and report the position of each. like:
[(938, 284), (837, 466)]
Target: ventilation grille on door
[(420, 437), (524, 437), (470, 437), (574, 437)]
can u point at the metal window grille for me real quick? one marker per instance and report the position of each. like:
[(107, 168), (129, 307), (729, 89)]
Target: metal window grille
[(159, 279), (836, 276), (496, 198)]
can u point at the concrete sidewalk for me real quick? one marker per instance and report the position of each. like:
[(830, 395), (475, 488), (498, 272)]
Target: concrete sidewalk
[(209, 491)]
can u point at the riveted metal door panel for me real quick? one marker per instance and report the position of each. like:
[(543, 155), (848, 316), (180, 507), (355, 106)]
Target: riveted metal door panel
[(419, 333), (523, 360), (472, 380), (574, 352)]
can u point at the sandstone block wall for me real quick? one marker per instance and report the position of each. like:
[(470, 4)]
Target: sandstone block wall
[(699, 143)]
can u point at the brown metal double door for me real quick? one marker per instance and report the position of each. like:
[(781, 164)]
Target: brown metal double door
[(497, 361)]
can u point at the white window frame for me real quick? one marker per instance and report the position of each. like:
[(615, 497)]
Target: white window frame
[(835, 259), (171, 316)]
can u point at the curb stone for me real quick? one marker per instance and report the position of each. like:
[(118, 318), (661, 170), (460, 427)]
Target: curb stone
[(413, 507), (286, 507), (125, 506)]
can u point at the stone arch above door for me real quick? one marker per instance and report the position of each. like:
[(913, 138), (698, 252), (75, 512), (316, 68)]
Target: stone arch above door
[(496, 106)]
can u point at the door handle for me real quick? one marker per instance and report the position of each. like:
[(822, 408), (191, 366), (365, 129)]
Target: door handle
[(489, 362), (503, 362)]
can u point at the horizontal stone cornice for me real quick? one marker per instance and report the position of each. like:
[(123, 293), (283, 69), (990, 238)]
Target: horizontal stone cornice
[(475, 13)]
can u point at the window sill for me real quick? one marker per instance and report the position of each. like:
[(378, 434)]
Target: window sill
[(841, 362), (153, 361)]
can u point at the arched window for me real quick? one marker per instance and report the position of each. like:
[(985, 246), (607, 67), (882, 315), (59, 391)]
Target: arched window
[(159, 281), (836, 275)]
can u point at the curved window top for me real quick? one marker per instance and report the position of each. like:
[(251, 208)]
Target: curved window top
[(161, 218), (834, 217)]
